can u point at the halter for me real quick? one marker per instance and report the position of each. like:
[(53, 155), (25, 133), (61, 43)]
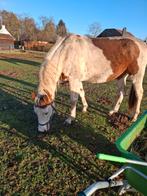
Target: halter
[(43, 124)]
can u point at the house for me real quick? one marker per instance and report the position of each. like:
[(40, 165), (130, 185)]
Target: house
[(6, 39), (115, 32)]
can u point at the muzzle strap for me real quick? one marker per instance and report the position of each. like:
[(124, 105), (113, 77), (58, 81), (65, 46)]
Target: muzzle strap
[(43, 124)]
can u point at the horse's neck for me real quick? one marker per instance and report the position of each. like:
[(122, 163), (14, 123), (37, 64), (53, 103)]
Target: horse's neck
[(48, 78)]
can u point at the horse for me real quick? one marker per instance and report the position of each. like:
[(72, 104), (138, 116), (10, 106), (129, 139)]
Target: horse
[(77, 58)]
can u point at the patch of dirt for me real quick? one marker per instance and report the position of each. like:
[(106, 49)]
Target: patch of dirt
[(7, 56), (120, 121), (104, 101), (12, 74), (139, 146)]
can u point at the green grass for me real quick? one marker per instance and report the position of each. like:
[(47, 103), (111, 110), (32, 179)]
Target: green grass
[(62, 162)]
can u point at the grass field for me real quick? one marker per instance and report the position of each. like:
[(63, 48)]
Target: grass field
[(63, 161)]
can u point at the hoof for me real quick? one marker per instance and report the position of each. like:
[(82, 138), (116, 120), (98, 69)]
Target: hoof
[(84, 110), (133, 119), (67, 122), (112, 112)]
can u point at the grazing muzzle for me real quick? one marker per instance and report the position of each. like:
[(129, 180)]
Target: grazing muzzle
[(45, 116), (44, 109)]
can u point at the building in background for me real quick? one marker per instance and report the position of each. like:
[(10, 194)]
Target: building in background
[(115, 32), (6, 39)]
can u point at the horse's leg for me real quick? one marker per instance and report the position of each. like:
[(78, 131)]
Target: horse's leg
[(137, 95), (74, 99), (82, 95), (76, 89), (121, 91)]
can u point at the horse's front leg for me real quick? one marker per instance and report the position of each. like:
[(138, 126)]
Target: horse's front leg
[(74, 99), (76, 89), (83, 99)]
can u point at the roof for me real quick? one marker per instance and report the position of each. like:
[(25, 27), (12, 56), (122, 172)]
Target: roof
[(3, 30), (4, 34), (114, 32)]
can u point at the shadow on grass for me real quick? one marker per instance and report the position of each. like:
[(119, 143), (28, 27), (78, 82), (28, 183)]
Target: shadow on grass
[(84, 135), (64, 99), (17, 61), (17, 80), (21, 121)]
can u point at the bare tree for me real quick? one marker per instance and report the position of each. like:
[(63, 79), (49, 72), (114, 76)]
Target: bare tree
[(24, 28), (28, 29), (44, 20), (48, 30), (94, 29)]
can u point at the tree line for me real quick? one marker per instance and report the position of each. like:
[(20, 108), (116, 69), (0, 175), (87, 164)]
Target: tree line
[(24, 28)]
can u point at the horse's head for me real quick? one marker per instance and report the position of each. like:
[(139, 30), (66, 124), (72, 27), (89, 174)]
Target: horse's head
[(44, 109)]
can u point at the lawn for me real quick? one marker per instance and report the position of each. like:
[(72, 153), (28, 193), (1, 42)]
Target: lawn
[(63, 161)]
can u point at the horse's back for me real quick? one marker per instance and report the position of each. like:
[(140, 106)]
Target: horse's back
[(102, 59)]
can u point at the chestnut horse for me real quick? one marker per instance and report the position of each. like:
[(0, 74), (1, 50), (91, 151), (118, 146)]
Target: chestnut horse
[(97, 60)]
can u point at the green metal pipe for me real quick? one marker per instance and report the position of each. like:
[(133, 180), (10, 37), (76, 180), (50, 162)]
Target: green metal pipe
[(119, 159)]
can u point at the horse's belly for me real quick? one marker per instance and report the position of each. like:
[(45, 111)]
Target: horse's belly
[(99, 78), (97, 73)]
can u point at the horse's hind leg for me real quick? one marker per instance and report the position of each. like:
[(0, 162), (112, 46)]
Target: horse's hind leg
[(136, 95), (121, 91)]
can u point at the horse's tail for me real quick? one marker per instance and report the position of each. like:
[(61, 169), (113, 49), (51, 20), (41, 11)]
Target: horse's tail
[(132, 97)]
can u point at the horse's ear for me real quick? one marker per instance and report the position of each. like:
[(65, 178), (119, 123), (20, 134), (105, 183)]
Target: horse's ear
[(42, 101), (47, 98), (33, 95)]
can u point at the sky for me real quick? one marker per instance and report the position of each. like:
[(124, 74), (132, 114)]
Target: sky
[(78, 15)]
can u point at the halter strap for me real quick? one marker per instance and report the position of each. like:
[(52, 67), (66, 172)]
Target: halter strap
[(38, 106), (43, 124)]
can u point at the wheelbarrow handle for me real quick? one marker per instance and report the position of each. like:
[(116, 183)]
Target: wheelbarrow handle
[(111, 158), (119, 159)]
